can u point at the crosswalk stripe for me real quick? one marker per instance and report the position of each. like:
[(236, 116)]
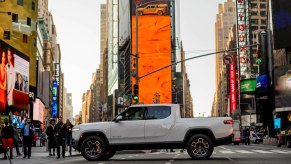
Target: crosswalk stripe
[(244, 151), (262, 151), (280, 151), (226, 152)]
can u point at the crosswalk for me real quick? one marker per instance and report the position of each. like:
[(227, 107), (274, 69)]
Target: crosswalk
[(229, 151)]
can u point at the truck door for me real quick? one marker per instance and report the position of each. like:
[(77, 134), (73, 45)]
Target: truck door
[(158, 124), (131, 128)]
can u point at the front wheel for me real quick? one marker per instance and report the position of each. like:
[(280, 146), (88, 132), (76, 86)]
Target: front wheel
[(93, 148), (160, 12), (140, 13), (199, 146)]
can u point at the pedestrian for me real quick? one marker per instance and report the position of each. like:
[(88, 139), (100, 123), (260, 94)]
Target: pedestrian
[(28, 134), (60, 138), (7, 138), (67, 128), (51, 137), (16, 139)]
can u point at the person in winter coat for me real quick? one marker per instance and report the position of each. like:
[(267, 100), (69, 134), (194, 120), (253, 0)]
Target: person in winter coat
[(51, 137), (60, 138), (67, 128), (7, 138)]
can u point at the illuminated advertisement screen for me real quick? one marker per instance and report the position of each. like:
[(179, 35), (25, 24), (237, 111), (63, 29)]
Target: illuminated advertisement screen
[(55, 99), (281, 12), (282, 82), (277, 123), (14, 78), (154, 50)]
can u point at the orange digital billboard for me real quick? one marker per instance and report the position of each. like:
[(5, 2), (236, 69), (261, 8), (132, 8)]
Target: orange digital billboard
[(154, 50)]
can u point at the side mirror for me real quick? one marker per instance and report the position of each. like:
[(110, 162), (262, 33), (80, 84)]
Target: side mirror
[(118, 118)]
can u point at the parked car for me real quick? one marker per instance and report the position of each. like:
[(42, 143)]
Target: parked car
[(152, 126), (256, 137)]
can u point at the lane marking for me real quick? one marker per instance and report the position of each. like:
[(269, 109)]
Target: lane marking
[(262, 151), (223, 147), (281, 151), (244, 152), (226, 152)]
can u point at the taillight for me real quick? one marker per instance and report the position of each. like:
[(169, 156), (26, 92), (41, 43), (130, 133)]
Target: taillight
[(228, 121)]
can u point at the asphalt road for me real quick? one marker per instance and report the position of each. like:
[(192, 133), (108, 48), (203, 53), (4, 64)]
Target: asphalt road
[(222, 154)]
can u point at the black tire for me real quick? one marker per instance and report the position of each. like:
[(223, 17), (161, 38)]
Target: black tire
[(109, 154), (91, 152), (160, 12), (140, 13), (199, 146)]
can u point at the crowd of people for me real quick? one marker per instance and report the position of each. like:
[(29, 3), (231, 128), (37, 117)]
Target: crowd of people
[(59, 136)]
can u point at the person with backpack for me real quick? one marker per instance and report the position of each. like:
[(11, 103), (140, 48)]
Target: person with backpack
[(28, 134)]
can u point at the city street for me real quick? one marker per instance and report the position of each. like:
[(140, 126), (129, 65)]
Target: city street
[(222, 154)]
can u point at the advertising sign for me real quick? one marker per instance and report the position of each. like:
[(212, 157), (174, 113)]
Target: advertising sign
[(154, 50), (55, 99), (262, 82), (281, 12), (241, 16), (38, 108), (14, 78), (282, 80), (248, 86), (277, 123), (232, 88)]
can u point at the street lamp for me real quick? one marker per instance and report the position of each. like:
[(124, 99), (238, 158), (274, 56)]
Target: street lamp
[(137, 6)]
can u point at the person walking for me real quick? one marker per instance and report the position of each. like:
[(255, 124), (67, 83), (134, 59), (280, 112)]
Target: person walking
[(16, 139), (28, 134), (7, 138), (60, 138), (67, 128), (51, 137)]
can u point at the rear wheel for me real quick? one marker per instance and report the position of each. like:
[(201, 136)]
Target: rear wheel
[(109, 154), (93, 148), (160, 12), (140, 13), (200, 146)]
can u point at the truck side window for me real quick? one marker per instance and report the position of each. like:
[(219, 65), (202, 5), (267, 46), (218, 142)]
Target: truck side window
[(134, 113), (158, 112)]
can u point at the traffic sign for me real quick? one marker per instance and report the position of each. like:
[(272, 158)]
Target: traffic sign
[(227, 59)]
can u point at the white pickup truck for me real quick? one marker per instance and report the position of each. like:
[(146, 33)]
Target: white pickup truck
[(152, 126)]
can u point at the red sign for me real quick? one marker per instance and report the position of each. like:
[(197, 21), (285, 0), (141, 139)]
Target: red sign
[(232, 88)]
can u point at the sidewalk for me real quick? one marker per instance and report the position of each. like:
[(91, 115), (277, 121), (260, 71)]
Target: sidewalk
[(41, 152)]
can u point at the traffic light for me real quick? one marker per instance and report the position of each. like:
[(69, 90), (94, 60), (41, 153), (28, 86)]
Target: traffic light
[(135, 92), (259, 56)]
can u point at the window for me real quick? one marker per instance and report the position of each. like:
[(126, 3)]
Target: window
[(6, 35), (263, 13), (28, 21), (158, 112), (32, 6), (20, 2), (134, 113), (263, 21), (24, 38), (263, 6), (15, 18)]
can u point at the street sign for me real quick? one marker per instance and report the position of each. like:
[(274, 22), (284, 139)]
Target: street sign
[(227, 59)]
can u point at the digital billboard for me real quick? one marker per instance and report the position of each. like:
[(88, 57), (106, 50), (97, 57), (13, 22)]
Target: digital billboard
[(55, 99), (281, 12), (282, 80), (38, 108), (154, 50), (14, 78), (248, 85)]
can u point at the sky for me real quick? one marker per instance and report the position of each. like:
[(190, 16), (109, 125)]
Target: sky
[(78, 33)]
